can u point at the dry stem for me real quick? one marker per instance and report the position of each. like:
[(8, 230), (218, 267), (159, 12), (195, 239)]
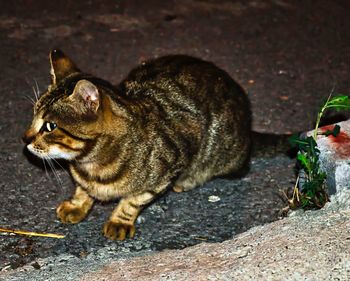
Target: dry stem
[(28, 233)]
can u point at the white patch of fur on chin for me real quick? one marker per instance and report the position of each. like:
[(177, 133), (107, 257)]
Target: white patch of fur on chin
[(35, 151), (56, 153)]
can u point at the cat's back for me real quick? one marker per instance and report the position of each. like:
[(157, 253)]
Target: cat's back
[(185, 76), (170, 67)]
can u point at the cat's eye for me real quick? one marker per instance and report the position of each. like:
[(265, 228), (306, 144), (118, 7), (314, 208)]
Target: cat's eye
[(49, 126)]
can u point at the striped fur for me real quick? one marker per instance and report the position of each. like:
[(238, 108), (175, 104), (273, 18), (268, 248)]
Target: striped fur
[(174, 121)]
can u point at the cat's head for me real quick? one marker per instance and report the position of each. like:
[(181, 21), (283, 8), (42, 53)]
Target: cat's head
[(67, 117)]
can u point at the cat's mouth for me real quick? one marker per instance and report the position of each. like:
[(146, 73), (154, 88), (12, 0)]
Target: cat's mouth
[(53, 153)]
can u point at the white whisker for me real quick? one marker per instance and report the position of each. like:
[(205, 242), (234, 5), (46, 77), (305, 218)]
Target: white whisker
[(46, 172), (30, 100), (35, 94), (37, 89), (55, 172), (58, 163), (47, 160)]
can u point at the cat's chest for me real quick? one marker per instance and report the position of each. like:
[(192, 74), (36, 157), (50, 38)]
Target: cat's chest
[(98, 187)]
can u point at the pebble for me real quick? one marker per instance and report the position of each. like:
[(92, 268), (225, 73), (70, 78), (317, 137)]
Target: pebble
[(213, 198)]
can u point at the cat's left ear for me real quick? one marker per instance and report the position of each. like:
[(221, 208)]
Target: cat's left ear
[(87, 96), (61, 66)]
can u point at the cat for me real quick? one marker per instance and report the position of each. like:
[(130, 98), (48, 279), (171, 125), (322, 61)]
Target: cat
[(175, 121)]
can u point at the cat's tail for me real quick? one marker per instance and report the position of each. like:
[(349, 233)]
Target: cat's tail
[(269, 145)]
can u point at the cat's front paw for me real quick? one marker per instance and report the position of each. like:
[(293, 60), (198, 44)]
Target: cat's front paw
[(70, 213), (118, 230)]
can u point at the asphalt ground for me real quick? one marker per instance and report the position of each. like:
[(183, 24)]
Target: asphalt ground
[(287, 55)]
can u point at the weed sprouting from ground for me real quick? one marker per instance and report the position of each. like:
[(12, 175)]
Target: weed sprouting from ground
[(310, 191)]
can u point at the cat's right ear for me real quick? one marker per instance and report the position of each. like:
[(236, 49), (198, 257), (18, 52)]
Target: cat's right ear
[(86, 97), (61, 66)]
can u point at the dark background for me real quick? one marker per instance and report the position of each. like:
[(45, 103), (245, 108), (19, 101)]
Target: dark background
[(288, 56)]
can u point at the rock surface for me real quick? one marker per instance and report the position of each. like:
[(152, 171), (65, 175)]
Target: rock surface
[(311, 246), (334, 161)]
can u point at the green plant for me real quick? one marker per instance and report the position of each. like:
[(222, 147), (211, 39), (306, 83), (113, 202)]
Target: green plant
[(312, 193)]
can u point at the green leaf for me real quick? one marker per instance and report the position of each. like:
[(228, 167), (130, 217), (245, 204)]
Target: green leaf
[(334, 132), (339, 103), (310, 147), (304, 162), (296, 140), (302, 159)]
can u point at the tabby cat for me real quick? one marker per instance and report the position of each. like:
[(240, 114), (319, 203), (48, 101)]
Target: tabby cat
[(174, 121)]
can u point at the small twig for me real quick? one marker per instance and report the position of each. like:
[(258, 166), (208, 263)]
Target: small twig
[(201, 238), (28, 233), (296, 190)]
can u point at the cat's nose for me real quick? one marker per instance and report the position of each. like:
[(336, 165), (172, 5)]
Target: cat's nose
[(28, 137)]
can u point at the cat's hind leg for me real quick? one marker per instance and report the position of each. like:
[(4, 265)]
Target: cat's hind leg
[(76, 209), (189, 181)]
